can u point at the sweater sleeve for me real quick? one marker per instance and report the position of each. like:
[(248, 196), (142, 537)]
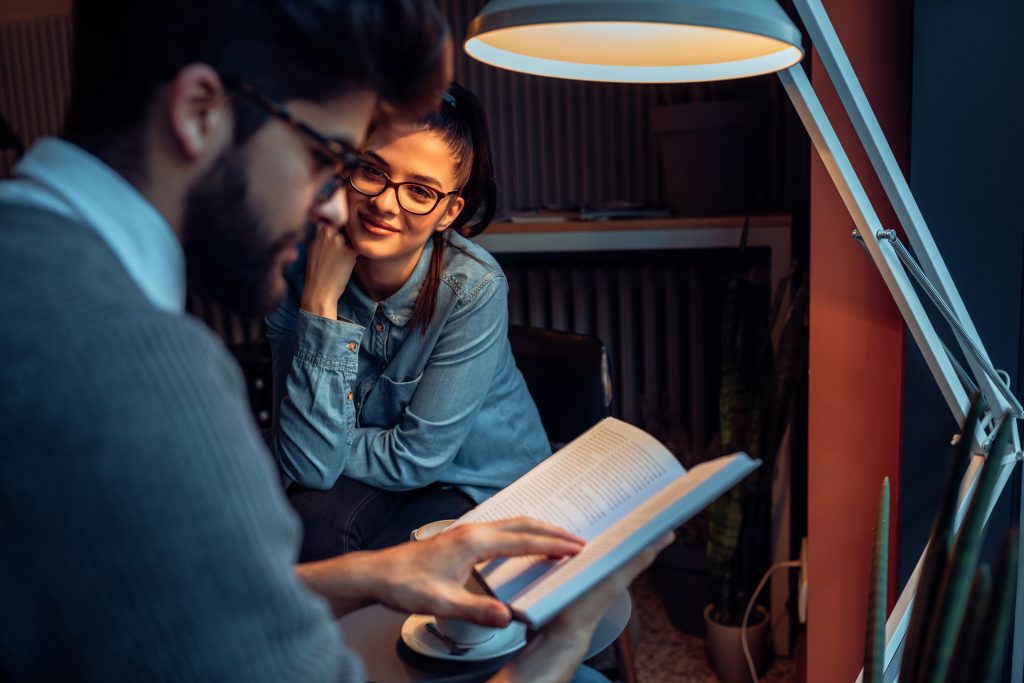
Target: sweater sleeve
[(152, 540)]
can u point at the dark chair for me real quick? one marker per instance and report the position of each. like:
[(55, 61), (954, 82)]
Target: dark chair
[(570, 381), (567, 375), (246, 339)]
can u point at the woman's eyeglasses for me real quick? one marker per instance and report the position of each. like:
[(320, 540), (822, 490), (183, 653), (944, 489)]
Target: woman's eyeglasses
[(415, 198)]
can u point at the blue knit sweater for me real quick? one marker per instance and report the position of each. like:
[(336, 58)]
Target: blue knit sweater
[(143, 536)]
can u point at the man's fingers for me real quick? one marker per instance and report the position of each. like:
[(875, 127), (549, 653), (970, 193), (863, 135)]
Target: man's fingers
[(480, 609), (534, 526), (484, 544)]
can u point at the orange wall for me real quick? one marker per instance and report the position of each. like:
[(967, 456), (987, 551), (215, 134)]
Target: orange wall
[(856, 351)]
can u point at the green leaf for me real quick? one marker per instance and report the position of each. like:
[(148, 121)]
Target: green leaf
[(726, 516), (989, 659), (957, 579), (933, 567), (971, 628), (874, 640)]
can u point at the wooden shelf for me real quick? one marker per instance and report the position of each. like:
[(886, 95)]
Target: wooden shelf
[(781, 221)]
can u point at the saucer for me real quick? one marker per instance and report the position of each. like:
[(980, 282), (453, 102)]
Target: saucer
[(503, 642)]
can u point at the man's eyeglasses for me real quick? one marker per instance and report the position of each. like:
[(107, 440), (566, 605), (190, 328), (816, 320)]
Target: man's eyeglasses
[(415, 198), (342, 153)]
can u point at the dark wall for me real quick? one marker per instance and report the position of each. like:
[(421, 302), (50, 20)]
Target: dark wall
[(967, 173)]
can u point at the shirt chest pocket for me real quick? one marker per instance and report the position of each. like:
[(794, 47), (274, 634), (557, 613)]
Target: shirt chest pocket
[(386, 400)]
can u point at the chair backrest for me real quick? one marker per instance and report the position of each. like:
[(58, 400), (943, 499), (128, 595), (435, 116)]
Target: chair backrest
[(246, 339), (568, 377)]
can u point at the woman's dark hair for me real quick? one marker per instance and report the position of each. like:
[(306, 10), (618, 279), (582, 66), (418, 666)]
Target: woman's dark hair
[(124, 50), (461, 123)]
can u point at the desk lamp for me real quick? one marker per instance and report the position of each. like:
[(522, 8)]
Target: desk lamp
[(672, 41)]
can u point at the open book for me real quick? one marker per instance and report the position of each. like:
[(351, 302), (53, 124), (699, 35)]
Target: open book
[(617, 487)]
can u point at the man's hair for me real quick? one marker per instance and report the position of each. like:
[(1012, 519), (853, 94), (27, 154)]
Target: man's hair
[(290, 49)]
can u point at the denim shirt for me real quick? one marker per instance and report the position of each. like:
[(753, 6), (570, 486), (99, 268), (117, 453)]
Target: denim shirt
[(371, 397)]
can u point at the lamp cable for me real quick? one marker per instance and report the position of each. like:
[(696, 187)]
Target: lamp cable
[(750, 605)]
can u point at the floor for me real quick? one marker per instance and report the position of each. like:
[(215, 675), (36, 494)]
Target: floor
[(665, 655)]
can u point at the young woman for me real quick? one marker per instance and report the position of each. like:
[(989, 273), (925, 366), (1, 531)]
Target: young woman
[(398, 400)]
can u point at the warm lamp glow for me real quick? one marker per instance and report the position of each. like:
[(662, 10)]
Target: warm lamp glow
[(632, 52), (643, 41)]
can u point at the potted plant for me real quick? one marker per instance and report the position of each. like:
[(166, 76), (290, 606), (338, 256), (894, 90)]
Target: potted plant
[(711, 139), (962, 610), (761, 375)]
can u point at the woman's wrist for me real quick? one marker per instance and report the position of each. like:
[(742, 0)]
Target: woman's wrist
[(325, 307)]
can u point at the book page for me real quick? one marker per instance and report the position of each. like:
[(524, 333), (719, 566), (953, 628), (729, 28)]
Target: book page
[(547, 595), (583, 488)]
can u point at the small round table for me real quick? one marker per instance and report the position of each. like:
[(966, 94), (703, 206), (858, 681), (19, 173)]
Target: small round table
[(374, 633)]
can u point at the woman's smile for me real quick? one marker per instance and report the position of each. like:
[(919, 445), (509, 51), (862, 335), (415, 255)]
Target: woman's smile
[(376, 227)]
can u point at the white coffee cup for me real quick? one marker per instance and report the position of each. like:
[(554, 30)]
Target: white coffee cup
[(460, 631), (463, 632), (430, 530)]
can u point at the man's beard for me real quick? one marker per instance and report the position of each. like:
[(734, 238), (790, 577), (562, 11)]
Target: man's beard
[(230, 252)]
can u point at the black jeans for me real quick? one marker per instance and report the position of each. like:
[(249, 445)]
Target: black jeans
[(355, 516)]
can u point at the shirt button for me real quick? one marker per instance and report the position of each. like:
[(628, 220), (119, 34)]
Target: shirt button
[(352, 346), (379, 327), (349, 395)]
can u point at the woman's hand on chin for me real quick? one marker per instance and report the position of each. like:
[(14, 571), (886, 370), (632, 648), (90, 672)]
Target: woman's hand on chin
[(329, 265)]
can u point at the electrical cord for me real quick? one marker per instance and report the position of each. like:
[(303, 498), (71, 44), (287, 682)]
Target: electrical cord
[(750, 605)]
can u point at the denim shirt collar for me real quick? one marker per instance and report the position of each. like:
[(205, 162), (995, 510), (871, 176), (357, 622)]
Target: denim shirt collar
[(398, 307)]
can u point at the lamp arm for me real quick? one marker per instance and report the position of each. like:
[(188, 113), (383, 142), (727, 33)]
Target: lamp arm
[(847, 85), (880, 248), (841, 171), (855, 102), (967, 343)]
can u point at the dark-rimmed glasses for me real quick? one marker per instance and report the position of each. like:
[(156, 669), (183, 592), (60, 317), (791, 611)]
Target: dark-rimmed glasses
[(342, 153), (416, 198)]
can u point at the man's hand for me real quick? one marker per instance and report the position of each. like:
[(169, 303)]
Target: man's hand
[(556, 651), (329, 264), (429, 576)]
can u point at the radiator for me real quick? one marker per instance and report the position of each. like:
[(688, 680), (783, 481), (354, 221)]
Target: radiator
[(658, 321)]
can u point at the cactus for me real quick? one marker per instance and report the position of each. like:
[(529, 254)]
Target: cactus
[(874, 640)]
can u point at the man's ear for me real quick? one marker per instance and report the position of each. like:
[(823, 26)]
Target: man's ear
[(199, 112), (451, 212)]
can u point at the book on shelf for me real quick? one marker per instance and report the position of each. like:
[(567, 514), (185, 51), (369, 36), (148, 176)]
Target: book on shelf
[(617, 487)]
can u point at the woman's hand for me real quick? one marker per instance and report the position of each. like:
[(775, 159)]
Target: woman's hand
[(329, 265)]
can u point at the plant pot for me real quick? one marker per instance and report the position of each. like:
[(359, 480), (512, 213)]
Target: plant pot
[(684, 584), (710, 154), (725, 650)]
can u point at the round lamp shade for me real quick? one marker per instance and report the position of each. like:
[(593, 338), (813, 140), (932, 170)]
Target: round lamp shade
[(635, 41)]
